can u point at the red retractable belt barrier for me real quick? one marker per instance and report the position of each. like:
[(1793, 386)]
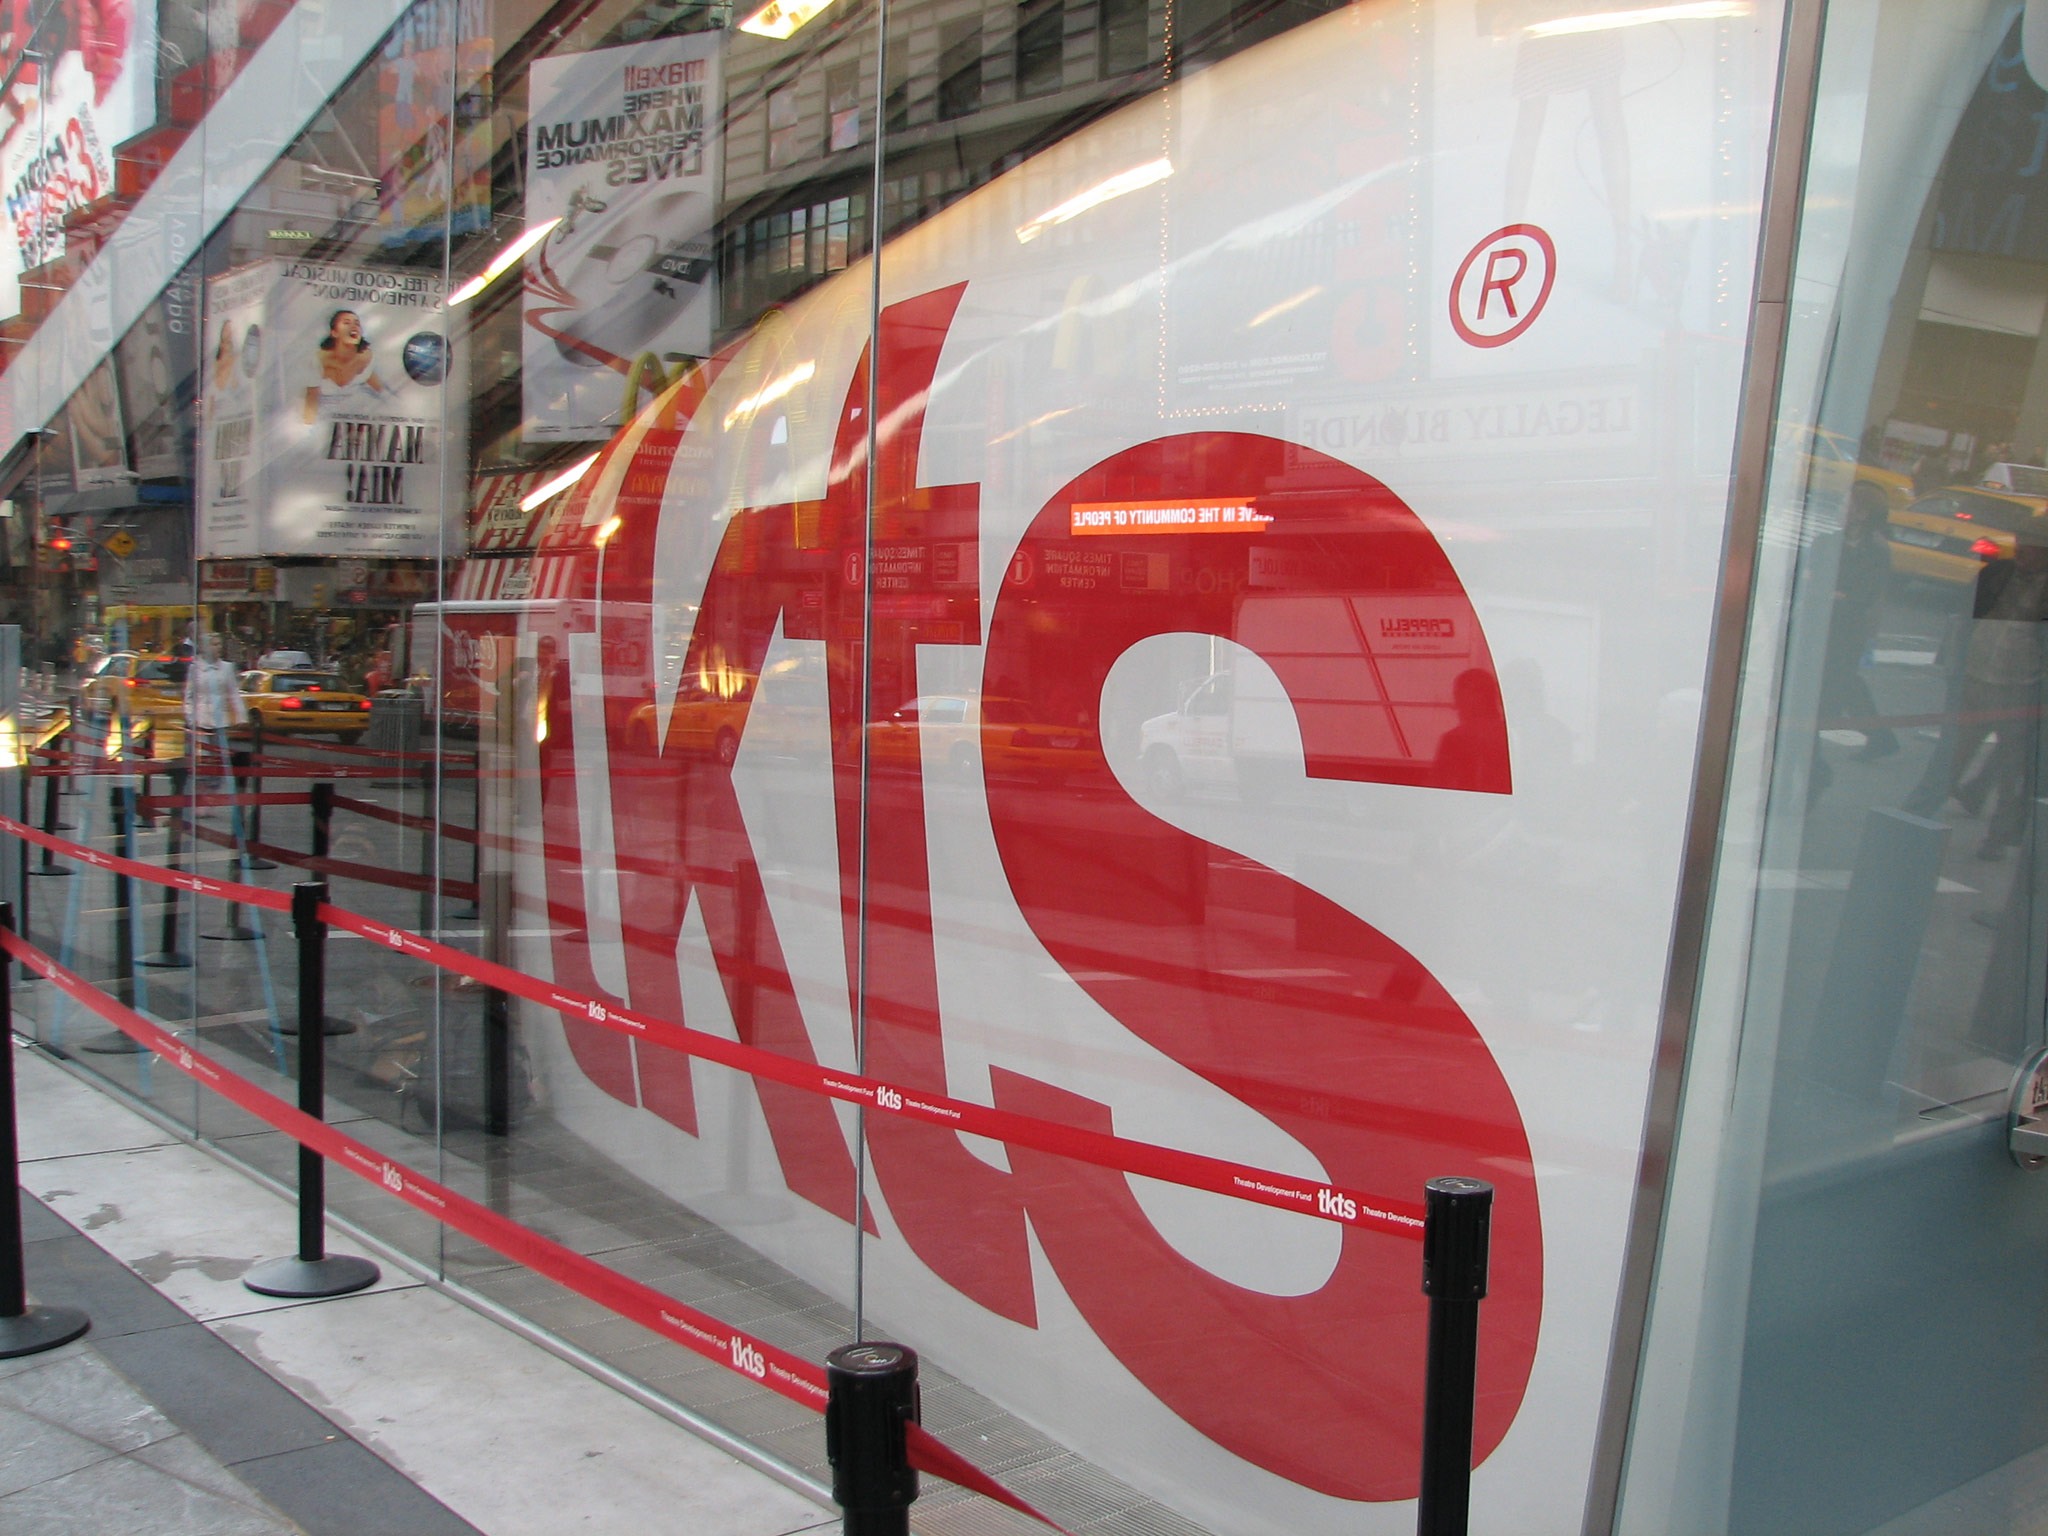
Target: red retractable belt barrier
[(411, 819), (787, 1375), (154, 803), (1218, 1175), (346, 869), (388, 753), (269, 769), (156, 874), (1261, 1186)]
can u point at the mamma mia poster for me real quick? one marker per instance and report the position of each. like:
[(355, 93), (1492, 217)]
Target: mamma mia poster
[(327, 390)]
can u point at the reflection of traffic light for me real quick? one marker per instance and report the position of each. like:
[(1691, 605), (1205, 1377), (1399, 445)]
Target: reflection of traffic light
[(63, 549)]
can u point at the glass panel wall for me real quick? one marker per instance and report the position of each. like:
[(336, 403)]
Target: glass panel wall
[(1140, 567), (1849, 1326), (1291, 768)]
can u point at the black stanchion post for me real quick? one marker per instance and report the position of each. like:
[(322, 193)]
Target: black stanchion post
[(233, 930), (472, 909), (24, 1330), (114, 1042), (48, 864), (1457, 1224), (21, 844), (52, 822), (249, 781), (314, 1271), (497, 1063), (70, 747), (873, 1400), (323, 819), (168, 956), (254, 820), (497, 914), (124, 921), (430, 847)]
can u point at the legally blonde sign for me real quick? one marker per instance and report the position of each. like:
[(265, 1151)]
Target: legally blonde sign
[(323, 400)]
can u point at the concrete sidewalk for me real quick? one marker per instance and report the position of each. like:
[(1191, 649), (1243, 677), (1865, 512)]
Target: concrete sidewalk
[(196, 1406)]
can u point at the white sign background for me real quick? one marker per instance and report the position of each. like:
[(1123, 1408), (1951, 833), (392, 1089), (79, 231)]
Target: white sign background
[(1577, 477)]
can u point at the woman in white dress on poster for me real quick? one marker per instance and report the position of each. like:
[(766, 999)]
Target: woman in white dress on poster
[(347, 379)]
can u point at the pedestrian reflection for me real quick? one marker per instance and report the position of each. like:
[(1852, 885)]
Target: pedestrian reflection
[(1996, 704)]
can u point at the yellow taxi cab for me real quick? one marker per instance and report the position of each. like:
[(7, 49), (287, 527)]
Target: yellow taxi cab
[(1834, 471), (712, 710), (1012, 742), (1948, 535), (303, 703), (708, 715), (129, 683)]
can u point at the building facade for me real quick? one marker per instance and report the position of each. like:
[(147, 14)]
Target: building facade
[(1070, 644)]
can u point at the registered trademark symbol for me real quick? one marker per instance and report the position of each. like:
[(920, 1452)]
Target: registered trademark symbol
[(1502, 285)]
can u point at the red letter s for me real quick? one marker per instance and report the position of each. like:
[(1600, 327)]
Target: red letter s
[(1366, 1061)]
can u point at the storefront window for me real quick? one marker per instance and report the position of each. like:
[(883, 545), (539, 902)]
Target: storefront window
[(1044, 578)]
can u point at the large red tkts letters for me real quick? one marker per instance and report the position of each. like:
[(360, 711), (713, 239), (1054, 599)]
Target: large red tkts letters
[(1244, 976), (1360, 1055)]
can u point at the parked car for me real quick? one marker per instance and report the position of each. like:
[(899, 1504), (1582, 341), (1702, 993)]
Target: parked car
[(303, 703)]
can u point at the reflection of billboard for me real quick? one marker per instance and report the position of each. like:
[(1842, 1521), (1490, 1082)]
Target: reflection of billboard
[(1989, 200), (324, 401), (60, 122), (233, 341), (155, 361), (1230, 514), (437, 172), (621, 148), (99, 447)]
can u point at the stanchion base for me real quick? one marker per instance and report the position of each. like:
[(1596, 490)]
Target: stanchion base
[(114, 1043), (40, 1328), (170, 960), (54, 869), (329, 1026), (335, 1275), (257, 864), (236, 935)]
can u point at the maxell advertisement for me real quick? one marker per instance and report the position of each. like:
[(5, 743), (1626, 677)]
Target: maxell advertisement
[(325, 392), (623, 149), (60, 122)]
